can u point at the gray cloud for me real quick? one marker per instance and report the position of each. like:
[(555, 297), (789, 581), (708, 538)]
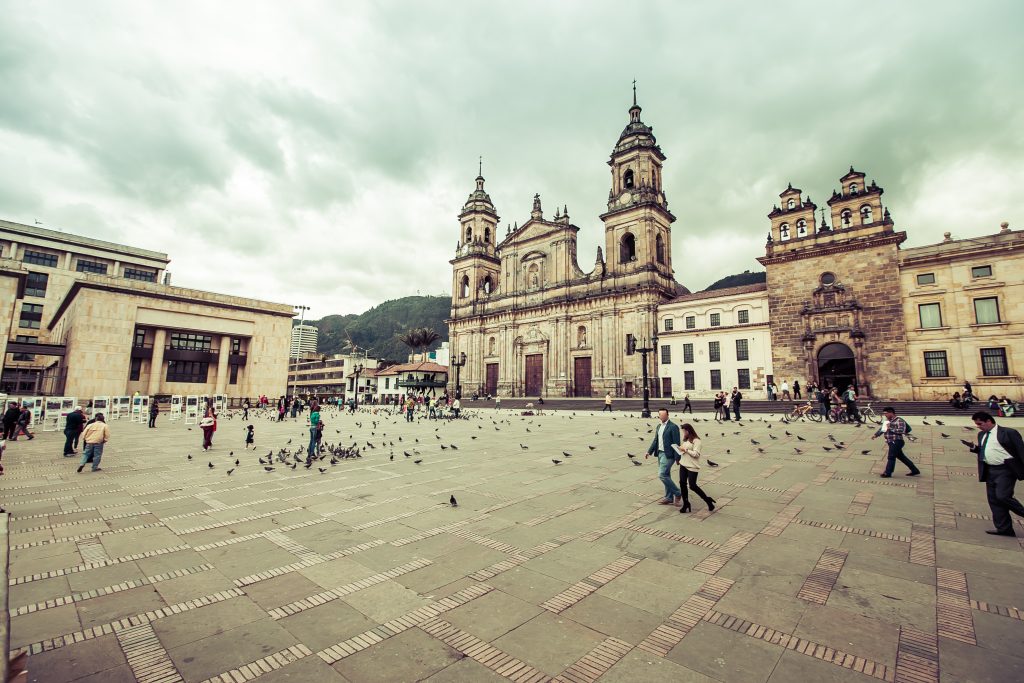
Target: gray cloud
[(319, 152)]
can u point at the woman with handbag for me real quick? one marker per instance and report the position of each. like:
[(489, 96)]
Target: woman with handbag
[(689, 467), (209, 425)]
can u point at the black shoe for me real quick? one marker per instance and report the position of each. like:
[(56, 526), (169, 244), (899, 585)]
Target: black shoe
[(711, 504), (80, 467), (1001, 533), (686, 507), (914, 474), (885, 476)]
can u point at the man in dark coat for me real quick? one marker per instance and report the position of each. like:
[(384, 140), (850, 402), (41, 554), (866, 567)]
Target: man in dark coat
[(74, 423), (11, 419), (1000, 453)]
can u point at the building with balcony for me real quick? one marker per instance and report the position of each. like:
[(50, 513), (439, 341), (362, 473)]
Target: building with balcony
[(411, 378), (304, 340), (326, 376)]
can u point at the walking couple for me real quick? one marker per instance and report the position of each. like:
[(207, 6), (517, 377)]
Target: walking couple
[(671, 449)]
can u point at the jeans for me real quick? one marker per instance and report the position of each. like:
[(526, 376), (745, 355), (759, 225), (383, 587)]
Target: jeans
[(152, 420), (93, 451), (665, 474), (21, 429), (999, 488), (312, 441), (896, 453), (736, 410)]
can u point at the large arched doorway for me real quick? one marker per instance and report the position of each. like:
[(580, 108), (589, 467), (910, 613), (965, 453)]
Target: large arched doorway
[(836, 366)]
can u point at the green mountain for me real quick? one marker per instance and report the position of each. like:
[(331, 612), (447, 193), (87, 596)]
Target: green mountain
[(738, 280), (377, 329)]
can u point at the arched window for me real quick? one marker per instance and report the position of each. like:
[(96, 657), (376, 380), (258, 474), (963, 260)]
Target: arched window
[(865, 215), (491, 346), (488, 285), (827, 278), (533, 276), (464, 288), (791, 203), (801, 228), (627, 248), (469, 234), (853, 188), (627, 179), (846, 218), (659, 249), (581, 336), (784, 232), (487, 235)]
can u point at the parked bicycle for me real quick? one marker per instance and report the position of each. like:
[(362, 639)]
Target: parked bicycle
[(807, 411), (869, 414)]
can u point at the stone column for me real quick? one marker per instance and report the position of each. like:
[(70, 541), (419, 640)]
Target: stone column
[(222, 364), (156, 363)]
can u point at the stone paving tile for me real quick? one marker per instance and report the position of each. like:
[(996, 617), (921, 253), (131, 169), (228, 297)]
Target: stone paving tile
[(811, 568)]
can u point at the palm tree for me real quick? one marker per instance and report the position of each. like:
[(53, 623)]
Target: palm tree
[(419, 338)]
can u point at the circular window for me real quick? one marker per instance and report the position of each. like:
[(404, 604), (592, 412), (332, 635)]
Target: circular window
[(828, 278)]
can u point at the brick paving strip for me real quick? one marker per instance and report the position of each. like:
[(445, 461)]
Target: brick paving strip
[(503, 664), (64, 571), (790, 494), (802, 646), (767, 472), (818, 586), (323, 597), (598, 534), (953, 616), (853, 530), (751, 487), (701, 542), (493, 570), (595, 663), (922, 545), (394, 518), (229, 522), (718, 559), (258, 534), (106, 590), (84, 537), (581, 589), (704, 513), (860, 503), (307, 562), (945, 515), (536, 521), (146, 656), (781, 520), (282, 541), (264, 665), (824, 478), (130, 622), (1001, 610), (917, 657), (92, 550), (679, 624)]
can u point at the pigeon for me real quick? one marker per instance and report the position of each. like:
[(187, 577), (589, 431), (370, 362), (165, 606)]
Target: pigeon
[(865, 452), (557, 462), (322, 469), (628, 455), (944, 436), (236, 462), (454, 447), (189, 456), (210, 465), (593, 448), (391, 458), (418, 461), (269, 469), (454, 503), (798, 451), (760, 450), (800, 438), (940, 423), (407, 454), (567, 454), (756, 443), (230, 471), (443, 447), (524, 447), (827, 449), (636, 462)]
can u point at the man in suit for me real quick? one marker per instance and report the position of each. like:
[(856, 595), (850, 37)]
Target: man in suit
[(1000, 464), (665, 437)]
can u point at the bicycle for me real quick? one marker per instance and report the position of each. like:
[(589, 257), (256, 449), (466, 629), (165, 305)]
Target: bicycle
[(869, 414), (838, 414), (805, 411)]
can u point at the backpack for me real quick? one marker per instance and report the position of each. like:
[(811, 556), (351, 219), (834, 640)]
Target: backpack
[(909, 429)]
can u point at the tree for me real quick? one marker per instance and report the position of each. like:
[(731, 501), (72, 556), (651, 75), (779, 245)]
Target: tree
[(419, 338)]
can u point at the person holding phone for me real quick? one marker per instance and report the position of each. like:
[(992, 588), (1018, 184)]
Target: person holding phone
[(1000, 452)]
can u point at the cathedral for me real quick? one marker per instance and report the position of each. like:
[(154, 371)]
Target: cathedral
[(531, 321)]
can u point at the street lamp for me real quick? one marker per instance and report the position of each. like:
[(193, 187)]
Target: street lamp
[(355, 388), (298, 342), (458, 365), (647, 348)]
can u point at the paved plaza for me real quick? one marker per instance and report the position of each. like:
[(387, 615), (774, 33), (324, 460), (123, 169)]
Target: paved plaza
[(812, 568)]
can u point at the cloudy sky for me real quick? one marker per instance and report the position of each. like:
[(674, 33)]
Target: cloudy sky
[(318, 153)]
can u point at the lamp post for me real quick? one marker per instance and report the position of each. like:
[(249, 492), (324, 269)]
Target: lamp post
[(647, 348), (298, 342), (355, 387), (458, 365)]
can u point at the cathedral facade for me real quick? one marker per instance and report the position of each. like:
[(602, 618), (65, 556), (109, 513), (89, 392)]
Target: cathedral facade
[(531, 321)]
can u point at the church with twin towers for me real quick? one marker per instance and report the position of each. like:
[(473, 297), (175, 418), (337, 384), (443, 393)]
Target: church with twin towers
[(530, 320)]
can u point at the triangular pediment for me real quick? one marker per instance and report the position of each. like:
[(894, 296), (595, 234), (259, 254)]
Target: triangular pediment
[(535, 229)]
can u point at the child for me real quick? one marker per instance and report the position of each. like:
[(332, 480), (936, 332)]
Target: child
[(250, 437)]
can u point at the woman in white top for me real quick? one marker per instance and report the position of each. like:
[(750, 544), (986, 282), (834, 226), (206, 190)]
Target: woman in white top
[(689, 466)]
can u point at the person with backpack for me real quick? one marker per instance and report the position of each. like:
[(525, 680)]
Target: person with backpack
[(894, 430), (850, 398)]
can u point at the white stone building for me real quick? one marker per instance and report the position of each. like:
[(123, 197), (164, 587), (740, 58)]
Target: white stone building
[(717, 340), (304, 340)]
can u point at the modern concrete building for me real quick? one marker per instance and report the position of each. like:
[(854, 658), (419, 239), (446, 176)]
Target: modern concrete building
[(92, 319), (304, 340)]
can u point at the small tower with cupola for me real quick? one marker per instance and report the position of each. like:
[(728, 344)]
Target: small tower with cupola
[(476, 267)]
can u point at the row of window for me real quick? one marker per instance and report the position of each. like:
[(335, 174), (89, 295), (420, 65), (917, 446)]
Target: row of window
[(41, 258), (31, 316), (976, 272), (986, 312), (690, 382), (191, 372), (714, 352), (845, 221), (993, 363), (714, 320)]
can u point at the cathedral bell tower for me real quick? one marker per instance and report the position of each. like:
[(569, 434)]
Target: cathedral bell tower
[(638, 232), (475, 268)]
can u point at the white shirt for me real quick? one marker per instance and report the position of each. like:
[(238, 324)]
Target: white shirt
[(993, 451), (661, 439), (785, 386)]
